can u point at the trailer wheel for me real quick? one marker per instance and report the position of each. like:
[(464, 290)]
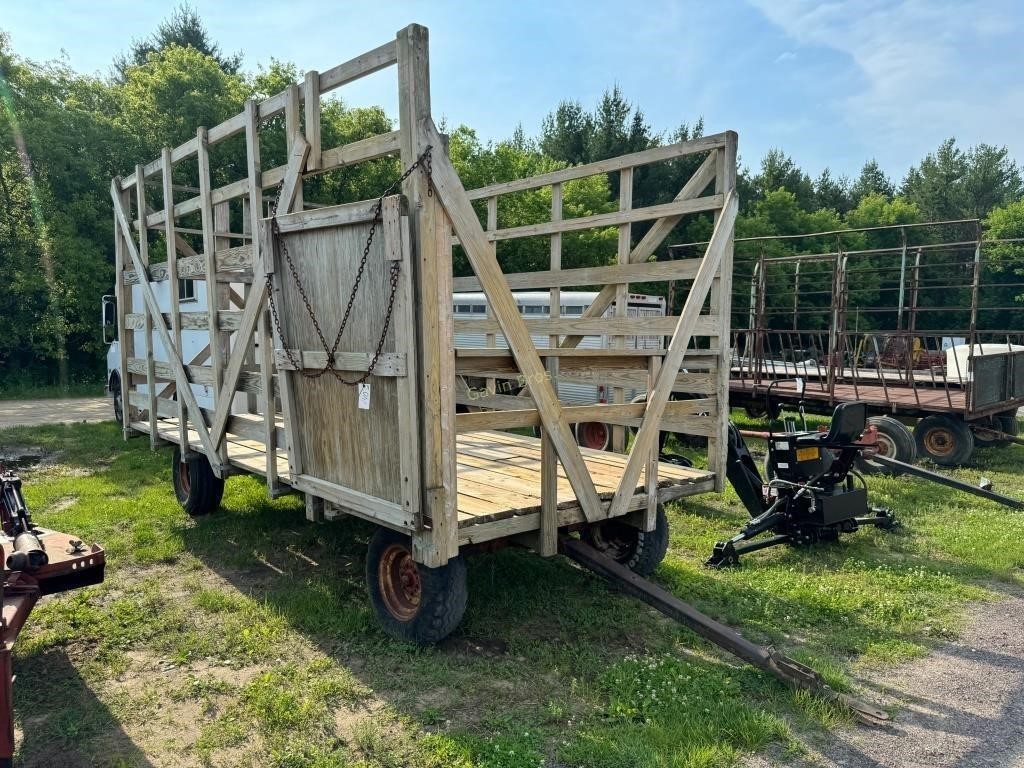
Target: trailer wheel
[(197, 489), (412, 602), (946, 440), (638, 550), (594, 434), (1005, 422), (895, 441)]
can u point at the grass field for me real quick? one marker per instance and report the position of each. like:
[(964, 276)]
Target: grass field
[(244, 639)]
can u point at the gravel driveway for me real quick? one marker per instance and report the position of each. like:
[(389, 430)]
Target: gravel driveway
[(30, 413), (961, 707)]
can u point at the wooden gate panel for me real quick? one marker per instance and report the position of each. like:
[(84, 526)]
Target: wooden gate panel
[(337, 441)]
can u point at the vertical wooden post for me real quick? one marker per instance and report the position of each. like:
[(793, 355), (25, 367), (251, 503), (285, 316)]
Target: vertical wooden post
[(721, 305), (651, 469), (175, 291), (140, 201), (311, 95), (434, 298), (547, 535), (491, 339), (213, 220), (622, 291), (125, 337), (293, 131), (266, 353), (251, 400)]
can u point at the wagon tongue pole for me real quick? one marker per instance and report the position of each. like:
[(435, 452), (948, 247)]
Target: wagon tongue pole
[(764, 657)]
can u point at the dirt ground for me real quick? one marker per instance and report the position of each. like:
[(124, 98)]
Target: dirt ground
[(961, 707), (30, 413)]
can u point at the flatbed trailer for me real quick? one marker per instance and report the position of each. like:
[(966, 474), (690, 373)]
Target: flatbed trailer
[(921, 333), (370, 426)]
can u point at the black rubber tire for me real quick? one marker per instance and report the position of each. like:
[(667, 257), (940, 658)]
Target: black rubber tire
[(115, 391), (443, 592), (1004, 422), (899, 444), (639, 551), (1010, 424), (946, 440), (197, 489)]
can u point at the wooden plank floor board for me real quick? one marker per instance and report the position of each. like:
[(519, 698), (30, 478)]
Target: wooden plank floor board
[(498, 472)]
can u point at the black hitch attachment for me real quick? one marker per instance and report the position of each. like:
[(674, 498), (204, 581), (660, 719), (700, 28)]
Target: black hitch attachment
[(766, 658)]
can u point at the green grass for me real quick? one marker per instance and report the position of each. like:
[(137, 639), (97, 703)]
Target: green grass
[(245, 638), (17, 390)]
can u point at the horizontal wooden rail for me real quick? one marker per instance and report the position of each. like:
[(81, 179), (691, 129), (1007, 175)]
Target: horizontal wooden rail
[(706, 325), (227, 320), (234, 262), (249, 427), (645, 272), (675, 208), (645, 157), (389, 364), (248, 381), (695, 417)]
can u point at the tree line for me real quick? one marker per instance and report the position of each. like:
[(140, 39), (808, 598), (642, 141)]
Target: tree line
[(64, 135)]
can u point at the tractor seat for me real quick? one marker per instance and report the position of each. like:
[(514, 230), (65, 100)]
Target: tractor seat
[(848, 422)]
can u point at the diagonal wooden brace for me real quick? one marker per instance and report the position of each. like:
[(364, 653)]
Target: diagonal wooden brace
[(452, 195), (153, 308), (658, 232), (658, 396)]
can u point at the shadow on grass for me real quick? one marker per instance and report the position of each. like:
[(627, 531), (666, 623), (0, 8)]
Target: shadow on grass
[(62, 721)]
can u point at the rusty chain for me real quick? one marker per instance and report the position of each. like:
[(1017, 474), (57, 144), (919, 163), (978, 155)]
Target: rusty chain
[(423, 162)]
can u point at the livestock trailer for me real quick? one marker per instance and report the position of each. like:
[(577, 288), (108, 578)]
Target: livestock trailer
[(336, 321)]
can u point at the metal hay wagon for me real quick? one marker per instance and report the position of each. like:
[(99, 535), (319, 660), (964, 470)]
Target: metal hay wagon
[(370, 425)]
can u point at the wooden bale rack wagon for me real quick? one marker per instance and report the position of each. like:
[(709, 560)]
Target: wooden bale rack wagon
[(371, 426)]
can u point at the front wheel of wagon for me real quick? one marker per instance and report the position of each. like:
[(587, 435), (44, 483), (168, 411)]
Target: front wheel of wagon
[(197, 489), (413, 602), (640, 551), (946, 440)]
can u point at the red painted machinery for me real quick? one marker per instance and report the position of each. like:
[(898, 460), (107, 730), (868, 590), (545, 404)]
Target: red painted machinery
[(37, 562)]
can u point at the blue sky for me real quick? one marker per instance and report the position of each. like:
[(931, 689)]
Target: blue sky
[(830, 83)]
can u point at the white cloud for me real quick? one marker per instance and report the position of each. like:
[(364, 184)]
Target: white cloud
[(924, 70), (785, 56)]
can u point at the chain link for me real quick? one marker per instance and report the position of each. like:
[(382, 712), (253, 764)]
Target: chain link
[(422, 162)]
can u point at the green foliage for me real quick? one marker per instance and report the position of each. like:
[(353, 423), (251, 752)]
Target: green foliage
[(1007, 223)]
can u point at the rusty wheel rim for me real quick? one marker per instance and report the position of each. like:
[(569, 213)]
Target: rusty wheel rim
[(399, 580), (184, 481), (593, 434), (940, 442), (884, 446)]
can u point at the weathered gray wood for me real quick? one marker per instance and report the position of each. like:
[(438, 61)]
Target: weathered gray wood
[(453, 197), (170, 239), (389, 364), (126, 347), (694, 186), (658, 396), (706, 325), (311, 103), (645, 157), (153, 308), (140, 202)]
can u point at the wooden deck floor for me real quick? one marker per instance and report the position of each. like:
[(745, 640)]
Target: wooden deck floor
[(890, 397), (498, 472)]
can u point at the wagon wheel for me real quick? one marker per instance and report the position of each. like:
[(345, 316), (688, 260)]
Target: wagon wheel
[(594, 434), (894, 441), (640, 551), (197, 489), (946, 440), (411, 601)]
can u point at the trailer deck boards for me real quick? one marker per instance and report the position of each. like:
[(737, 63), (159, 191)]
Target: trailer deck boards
[(499, 473), (894, 397)]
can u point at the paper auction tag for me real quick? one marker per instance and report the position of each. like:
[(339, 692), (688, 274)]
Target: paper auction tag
[(364, 396)]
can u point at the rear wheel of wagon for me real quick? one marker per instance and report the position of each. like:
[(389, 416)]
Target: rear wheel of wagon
[(640, 551), (946, 440), (197, 489), (115, 390), (894, 441), (1005, 422), (413, 602)]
